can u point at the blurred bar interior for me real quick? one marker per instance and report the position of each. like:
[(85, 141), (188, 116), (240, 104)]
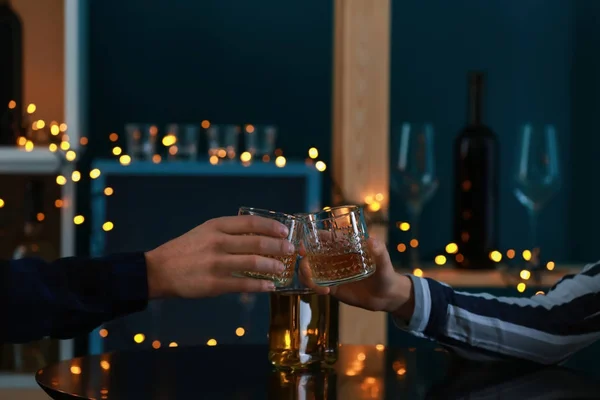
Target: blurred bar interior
[(145, 118)]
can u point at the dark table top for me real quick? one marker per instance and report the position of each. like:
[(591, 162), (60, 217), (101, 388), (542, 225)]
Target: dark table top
[(362, 372)]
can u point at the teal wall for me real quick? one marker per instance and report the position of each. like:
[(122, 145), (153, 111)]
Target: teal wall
[(541, 57), (271, 61)]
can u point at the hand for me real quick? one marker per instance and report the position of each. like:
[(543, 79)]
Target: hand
[(201, 262), (385, 290)]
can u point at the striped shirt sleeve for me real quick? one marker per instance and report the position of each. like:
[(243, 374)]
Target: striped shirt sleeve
[(545, 329)]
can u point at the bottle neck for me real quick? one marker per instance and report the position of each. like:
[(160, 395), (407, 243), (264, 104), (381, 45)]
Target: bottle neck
[(476, 99)]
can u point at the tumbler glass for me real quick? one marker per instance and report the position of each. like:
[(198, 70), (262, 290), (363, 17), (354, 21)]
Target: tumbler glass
[(284, 278), (336, 245)]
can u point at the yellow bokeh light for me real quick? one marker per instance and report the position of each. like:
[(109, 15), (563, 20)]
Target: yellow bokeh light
[(418, 272), (526, 255), (40, 217), (380, 347), (103, 333), (29, 146), (108, 191), (113, 137), (404, 226), (71, 155), (361, 357), (280, 161), (173, 150), (108, 226), (31, 108), (521, 287), (440, 260), (320, 166), (169, 140), (63, 127), (214, 160), (539, 292), (205, 124), (1, 203), (61, 180), (105, 365), (52, 147), (12, 104), (451, 248), (401, 247), (211, 342), (379, 197), (525, 274), (313, 152), (173, 344), (414, 243), (496, 256), (156, 344), (139, 337), (156, 158), (401, 371), (117, 151), (64, 145), (83, 141), (244, 157), (250, 128), (54, 130), (75, 370), (375, 206), (222, 153), (510, 254), (75, 176), (21, 141), (240, 331), (58, 203), (125, 159), (40, 124), (550, 265), (78, 219), (95, 173)]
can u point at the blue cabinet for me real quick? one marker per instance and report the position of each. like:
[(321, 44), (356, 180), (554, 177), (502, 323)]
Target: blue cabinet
[(153, 203)]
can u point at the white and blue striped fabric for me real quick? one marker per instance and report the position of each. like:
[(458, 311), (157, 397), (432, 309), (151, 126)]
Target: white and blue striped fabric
[(545, 329)]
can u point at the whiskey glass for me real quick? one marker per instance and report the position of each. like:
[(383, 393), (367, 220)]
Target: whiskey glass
[(284, 278), (336, 246), (303, 327)]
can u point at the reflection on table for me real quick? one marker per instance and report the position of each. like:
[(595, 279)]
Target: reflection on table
[(362, 372)]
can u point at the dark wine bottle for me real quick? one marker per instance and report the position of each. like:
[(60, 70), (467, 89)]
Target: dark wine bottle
[(475, 185), (11, 74)]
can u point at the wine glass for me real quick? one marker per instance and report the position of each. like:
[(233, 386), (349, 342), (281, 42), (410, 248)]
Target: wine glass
[(537, 174), (416, 179)]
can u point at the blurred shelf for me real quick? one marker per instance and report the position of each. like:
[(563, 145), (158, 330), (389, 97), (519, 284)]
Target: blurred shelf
[(292, 168), (16, 161), (17, 381), (499, 278)]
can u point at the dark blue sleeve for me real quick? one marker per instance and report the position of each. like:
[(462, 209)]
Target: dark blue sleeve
[(70, 296)]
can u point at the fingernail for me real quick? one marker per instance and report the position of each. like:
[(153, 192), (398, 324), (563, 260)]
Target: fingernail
[(284, 230), (375, 244), (289, 248), (281, 267), (271, 287)]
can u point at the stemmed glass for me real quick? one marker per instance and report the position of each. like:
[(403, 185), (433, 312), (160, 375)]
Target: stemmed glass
[(416, 179), (537, 174)]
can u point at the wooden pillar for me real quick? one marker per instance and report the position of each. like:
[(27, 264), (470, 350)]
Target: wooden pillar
[(361, 128)]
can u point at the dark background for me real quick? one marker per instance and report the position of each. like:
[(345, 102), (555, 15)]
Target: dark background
[(250, 62)]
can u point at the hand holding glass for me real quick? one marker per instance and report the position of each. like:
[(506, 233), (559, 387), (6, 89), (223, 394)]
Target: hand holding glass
[(289, 261)]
